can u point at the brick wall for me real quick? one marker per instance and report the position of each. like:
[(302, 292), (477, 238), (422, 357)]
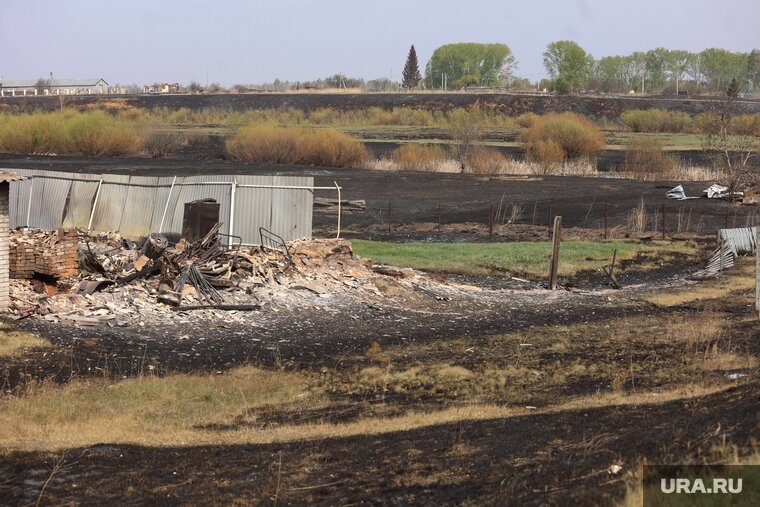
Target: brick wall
[(4, 241), (50, 253)]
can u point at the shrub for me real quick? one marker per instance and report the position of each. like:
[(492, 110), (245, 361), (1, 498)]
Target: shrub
[(281, 145), (656, 120), (487, 161), (92, 133), (562, 136), (418, 157), (99, 134), (526, 120), (645, 157), (746, 125), (160, 144)]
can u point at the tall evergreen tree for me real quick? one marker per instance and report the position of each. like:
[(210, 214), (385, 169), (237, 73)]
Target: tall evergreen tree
[(412, 76)]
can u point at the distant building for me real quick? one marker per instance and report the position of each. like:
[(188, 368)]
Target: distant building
[(162, 88), (26, 87)]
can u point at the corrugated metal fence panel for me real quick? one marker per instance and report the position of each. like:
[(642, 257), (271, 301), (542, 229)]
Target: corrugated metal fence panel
[(162, 194), (198, 190), (253, 208), (49, 196), (291, 209), (139, 206), (19, 198), (83, 190), (135, 206), (741, 240), (111, 201)]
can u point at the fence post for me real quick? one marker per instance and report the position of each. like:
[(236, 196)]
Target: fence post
[(490, 223), (605, 219), (439, 220), (339, 209), (663, 221), (94, 204), (389, 219), (757, 271), (554, 265), (233, 190)]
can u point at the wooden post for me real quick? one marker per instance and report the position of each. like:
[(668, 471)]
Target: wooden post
[(663, 221), (757, 272), (612, 267), (490, 223), (555, 253), (551, 219), (439, 220), (606, 206), (389, 219)]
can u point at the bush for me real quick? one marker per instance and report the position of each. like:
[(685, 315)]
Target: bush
[(560, 137), (656, 121), (487, 161), (281, 145), (645, 157), (526, 120), (418, 157), (94, 133), (746, 125), (99, 134), (160, 144)]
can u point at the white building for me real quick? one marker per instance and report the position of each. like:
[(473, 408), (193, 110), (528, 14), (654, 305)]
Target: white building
[(20, 88)]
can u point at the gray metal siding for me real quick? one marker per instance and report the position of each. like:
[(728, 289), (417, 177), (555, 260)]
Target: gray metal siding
[(134, 206)]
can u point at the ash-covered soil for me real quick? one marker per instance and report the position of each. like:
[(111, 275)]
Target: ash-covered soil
[(513, 104), (418, 199)]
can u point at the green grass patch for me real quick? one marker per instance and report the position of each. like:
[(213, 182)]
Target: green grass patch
[(531, 258), (13, 342)]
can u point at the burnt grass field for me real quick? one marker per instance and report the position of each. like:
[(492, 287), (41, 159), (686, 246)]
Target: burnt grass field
[(507, 395)]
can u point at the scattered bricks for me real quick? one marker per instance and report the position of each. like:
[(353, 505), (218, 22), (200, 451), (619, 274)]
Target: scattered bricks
[(49, 253)]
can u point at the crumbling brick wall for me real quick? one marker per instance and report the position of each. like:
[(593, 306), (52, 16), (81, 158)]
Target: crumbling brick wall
[(4, 240), (49, 253)]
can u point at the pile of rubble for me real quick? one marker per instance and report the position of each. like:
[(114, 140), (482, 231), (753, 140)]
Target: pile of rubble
[(123, 283), (52, 254)]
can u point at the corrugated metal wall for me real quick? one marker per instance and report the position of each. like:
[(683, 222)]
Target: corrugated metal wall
[(135, 205)]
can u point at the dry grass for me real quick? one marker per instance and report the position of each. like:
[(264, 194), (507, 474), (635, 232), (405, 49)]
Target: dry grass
[(279, 145), (444, 166), (171, 411), (159, 144), (12, 342), (741, 277), (487, 161), (418, 157), (94, 133)]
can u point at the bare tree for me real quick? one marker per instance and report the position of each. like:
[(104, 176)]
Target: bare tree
[(733, 152)]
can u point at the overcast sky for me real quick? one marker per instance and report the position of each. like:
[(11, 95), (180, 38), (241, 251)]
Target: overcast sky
[(144, 41)]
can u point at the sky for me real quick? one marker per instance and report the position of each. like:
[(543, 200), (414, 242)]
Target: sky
[(241, 42)]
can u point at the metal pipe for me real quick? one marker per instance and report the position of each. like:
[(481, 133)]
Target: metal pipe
[(166, 208), (338, 189), (94, 205), (232, 206), (29, 203)]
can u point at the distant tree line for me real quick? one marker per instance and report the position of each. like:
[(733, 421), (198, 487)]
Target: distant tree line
[(570, 68), (658, 70)]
